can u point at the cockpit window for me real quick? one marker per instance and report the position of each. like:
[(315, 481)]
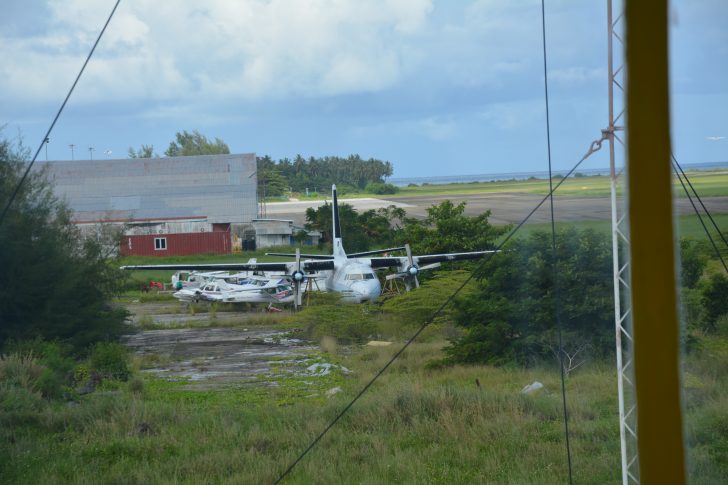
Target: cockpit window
[(360, 276)]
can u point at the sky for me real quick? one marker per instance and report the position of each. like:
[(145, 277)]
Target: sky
[(436, 87)]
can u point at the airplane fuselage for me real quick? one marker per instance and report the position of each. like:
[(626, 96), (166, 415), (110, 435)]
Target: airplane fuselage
[(354, 280)]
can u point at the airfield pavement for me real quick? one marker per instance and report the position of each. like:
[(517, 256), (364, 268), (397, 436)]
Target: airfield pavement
[(505, 207), (209, 357)]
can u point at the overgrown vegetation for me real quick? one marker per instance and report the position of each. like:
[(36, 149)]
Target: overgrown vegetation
[(54, 283), (512, 316), (461, 424)]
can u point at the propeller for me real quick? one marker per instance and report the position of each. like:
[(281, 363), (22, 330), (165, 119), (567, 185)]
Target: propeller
[(409, 275), (297, 277), (412, 269)]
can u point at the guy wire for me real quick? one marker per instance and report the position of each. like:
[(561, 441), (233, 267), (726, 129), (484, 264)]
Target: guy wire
[(555, 294), (594, 147), (58, 114)]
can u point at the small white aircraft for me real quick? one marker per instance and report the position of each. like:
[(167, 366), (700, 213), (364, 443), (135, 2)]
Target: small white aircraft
[(194, 279), (352, 275), (275, 291)]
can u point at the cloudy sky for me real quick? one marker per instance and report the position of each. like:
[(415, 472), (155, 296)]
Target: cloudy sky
[(435, 87)]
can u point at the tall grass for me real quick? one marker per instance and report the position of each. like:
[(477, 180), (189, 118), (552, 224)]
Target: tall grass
[(416, 425), (432, 426)]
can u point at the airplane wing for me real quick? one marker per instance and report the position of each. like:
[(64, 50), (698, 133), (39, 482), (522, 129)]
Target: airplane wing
[(306, 256), (401, 261), (288, 267)]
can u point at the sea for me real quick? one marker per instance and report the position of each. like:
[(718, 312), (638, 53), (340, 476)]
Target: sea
[(491, 177)]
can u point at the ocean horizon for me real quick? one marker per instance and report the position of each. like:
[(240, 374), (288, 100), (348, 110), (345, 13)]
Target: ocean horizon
[(542, 174)]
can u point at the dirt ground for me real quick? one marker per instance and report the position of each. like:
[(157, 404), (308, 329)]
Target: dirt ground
[(214, 357)]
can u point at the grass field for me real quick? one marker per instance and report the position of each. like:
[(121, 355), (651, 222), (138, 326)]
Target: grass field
[(687, 226), (707, 183), (416, 425)]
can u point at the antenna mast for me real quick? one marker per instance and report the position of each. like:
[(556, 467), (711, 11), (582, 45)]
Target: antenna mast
[(620, 267)]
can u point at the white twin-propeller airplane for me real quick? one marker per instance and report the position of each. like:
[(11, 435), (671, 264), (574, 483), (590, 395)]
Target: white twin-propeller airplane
[(352, 275)]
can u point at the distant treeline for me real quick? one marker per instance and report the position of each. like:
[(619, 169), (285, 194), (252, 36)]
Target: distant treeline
[(317, 174)]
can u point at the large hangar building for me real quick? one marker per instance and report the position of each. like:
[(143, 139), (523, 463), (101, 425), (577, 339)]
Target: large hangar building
[(169, 206)]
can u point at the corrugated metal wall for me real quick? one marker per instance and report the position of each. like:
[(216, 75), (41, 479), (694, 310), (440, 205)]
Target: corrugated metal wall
[(217, 188)]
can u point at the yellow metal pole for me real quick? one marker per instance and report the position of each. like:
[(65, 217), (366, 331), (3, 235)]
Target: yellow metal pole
[(654, 301)]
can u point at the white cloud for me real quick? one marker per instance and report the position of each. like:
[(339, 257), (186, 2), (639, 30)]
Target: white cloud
[(215, 49), (439, 130), (512, 115), (577, 75), (433, 128), (714, 138)]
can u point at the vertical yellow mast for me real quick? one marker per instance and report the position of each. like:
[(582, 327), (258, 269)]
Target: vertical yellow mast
[(654, 301)]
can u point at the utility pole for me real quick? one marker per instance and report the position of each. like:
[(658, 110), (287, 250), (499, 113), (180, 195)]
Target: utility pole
[(91, 153), (72, 146), (45, 142)]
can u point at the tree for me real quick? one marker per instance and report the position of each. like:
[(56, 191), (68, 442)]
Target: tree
[(692, 262), (714, 298), (270, 181), (54, 284), (447, 229), (146, 151), (361, 232), (511, 317), (195, 143), (350, 173)]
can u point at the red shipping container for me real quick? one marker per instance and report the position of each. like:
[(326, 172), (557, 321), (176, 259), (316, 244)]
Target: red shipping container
[(180, 244)]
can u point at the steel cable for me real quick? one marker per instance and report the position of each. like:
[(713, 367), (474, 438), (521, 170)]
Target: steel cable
[(594, 147), (700, 218), (555, 262), (58, 114), (697, 196)]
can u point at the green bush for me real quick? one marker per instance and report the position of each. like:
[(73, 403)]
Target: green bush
[(40, 242), (380, 188), (19, 389), (721, 325), (714, 299), (110, 360), (692, 262), (692, 308), (510, 317), (326, 316)]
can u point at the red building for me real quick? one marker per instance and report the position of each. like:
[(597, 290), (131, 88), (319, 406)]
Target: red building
[(179, 244)]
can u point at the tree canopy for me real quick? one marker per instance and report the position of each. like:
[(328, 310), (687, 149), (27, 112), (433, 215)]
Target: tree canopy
[(511, 316), (318, 174), (447, 229), (146, 151), (195, 143), (54, 284)]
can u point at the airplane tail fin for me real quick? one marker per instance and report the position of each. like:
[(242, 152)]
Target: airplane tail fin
[(338, 246), (336, 223)]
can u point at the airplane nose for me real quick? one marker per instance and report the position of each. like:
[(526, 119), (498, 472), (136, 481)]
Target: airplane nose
[(367, 291)]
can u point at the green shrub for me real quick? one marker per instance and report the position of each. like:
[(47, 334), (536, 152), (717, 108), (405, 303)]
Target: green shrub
[(51, 384), (136, 386), (328, 317), (20, 370), (52, 362), (714, 299), (721, 325), (110, 360), (692, 308), (380, 188), (19, 376)]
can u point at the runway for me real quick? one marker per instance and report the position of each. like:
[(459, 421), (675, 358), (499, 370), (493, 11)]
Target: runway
[(506, 208)]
